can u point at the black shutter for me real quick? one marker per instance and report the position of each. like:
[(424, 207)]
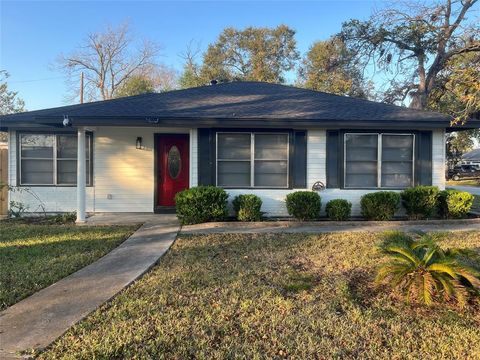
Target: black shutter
[(423, 164), (333, 159), (206, 160), (299, 168)]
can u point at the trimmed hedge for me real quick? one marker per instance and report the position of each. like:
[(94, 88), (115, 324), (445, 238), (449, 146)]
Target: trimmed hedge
[(420, 202), (201, 204), (380, 205), (248, 207), (338, 209), (304, 205), (454, 204)]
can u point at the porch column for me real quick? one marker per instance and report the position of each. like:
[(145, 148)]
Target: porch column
[(81, 175)]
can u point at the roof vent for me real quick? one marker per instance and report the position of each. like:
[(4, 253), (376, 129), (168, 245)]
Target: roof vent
[(213, 82)]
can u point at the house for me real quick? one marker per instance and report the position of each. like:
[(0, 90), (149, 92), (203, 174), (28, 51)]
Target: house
[(134, 154), (471, 157)]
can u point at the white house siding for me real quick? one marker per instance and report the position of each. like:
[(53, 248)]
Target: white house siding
[(193, 157), (124, 175), (438, 158), (37, 198), (274, 199)]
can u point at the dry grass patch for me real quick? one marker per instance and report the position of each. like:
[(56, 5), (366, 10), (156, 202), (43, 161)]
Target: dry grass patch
[(271, 296)]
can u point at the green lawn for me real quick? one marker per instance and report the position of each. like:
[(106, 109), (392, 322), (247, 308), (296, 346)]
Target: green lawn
[(35, 256), (271, 296)]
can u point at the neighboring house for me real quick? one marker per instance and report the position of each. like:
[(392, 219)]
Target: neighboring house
[(136, 153), (471, 157)]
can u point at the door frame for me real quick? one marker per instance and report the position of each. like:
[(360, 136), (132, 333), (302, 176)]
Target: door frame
[(158, 209)]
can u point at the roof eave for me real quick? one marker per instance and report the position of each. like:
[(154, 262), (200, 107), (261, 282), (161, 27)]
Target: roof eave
[(153, 121)]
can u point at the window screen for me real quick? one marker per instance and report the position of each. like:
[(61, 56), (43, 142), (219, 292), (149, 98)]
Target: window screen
[(264, 154), (234, 159), (271, 160), (48, 159), (37, 159), (397, 160), (379, 160), (361, 160)]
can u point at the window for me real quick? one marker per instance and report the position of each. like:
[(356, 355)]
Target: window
[(379, 160), (252, 160), (48, 159)]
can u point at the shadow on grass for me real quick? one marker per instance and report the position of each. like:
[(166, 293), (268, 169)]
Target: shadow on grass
[(221, 295), (32, 264)]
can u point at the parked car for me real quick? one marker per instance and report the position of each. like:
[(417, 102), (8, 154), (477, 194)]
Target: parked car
[(464, 172)]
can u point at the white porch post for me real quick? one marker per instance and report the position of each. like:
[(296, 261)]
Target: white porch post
[(81, 175)]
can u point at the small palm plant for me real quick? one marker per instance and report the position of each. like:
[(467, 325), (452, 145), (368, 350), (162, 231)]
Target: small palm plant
[(425, 272)]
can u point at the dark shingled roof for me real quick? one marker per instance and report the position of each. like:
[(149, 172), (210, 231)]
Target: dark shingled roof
[(473, 155), (233, 103)]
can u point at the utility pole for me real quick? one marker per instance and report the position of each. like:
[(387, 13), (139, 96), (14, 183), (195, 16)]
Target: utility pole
[(81, 87)]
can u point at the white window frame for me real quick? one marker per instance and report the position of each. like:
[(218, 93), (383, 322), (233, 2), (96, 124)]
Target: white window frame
[(379, 160), (88, 143), (253, 159)]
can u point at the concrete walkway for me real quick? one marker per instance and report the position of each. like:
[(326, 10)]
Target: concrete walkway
[(331, 226), (124, 218), (38, 320)]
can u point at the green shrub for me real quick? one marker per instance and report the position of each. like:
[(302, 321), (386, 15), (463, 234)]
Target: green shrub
[(201, 204), (248, 207), (380, 205), (420, 202), (426, 273), (454, 203), (304, 205), (338, 209)]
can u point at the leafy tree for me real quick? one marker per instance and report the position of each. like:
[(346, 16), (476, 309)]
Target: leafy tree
[(425, 272), (459, 143), (259, 54), (108, 59), (135, 85), (189, 78), (457, 90), (413, 43), (10, 103), (329, 66)]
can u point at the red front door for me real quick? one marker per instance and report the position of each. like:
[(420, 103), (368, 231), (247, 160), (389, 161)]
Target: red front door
[(173, 167)]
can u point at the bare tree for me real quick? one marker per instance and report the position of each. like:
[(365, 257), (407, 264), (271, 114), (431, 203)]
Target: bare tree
[(190, 76), (108, 59), (413, 42), (163, 77)]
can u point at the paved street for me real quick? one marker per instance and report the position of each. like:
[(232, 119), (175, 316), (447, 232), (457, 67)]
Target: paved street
[(471, 189)]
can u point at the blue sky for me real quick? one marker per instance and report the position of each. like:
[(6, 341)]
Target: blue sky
[(33, 34)]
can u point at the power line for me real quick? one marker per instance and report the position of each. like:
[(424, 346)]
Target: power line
[(35, 80)]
